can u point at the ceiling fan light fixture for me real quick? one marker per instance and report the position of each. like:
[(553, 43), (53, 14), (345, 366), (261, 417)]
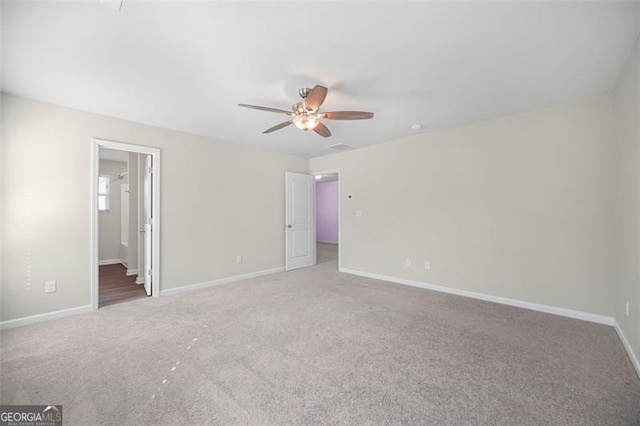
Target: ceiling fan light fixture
[(306, 114), (306, 121)]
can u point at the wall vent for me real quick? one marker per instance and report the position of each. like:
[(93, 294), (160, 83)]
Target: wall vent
[(340, 147)]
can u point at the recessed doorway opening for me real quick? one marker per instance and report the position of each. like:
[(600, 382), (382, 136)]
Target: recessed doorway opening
[(125, 237), (328, 217)]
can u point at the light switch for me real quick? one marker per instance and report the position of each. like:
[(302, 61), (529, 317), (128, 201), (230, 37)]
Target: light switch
[(359, 214)]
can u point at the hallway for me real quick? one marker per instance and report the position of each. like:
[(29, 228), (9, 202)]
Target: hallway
[(115, 286), (326, 252)]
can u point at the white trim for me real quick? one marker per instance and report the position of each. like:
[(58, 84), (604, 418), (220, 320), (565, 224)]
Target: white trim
[(96, 144), (570, 313), (93, 248), (627, 346), (327, 242), (339, 243), (131, 272), (140, 279), (109, 262), (19, 322), (220, 281)]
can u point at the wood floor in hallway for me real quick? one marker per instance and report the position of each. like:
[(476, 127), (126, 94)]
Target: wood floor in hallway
[(115, 286)]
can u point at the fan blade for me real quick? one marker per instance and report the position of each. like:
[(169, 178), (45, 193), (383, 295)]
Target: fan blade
[(347, 115), (322, 130), (261, 108), (315, 98), (278, 127)]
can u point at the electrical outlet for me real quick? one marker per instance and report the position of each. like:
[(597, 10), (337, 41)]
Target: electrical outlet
[(238, 259), (407, 262), (50, 286), (427, 264), (626, 308)]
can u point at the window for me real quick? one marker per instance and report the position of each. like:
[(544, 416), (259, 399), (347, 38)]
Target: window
[(104, 193)]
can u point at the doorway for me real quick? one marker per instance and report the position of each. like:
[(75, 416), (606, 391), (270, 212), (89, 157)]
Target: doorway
[(328, 218), (125, 217)]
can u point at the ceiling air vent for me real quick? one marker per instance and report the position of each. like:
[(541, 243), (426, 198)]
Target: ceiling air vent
[(340, 147)]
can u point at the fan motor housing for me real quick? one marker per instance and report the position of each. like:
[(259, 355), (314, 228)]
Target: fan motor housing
[(304, 92)]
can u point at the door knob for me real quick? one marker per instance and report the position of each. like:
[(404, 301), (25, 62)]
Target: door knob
[(289, 226)]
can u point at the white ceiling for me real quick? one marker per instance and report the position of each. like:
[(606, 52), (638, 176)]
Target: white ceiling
[(185, 66)]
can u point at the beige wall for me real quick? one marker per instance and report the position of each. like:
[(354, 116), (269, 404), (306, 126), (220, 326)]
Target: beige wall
[(218, 200), (627, 150), (518, 207), (109, 222)]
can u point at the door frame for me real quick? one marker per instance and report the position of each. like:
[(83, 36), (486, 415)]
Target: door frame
[(96, 144), (326, 172)]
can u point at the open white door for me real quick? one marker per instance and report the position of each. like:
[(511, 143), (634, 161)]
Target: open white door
[(300, 226), (148, 267)]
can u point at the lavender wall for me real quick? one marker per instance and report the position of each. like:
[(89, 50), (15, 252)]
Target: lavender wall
[(327, 211)]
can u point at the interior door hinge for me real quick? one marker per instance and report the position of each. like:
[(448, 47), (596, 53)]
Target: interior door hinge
[(150, 272)]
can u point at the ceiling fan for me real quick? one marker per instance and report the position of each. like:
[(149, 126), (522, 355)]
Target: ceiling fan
[(306, 114)]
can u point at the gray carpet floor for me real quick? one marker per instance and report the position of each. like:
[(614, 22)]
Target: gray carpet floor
[(317, 347)]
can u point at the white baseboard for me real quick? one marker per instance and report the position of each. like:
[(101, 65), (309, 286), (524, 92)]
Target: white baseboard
[(132, 272), (109, 262), (19, 322), (327, 242), (600, 319), (220, 281), (627, 346), (140, 279)]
